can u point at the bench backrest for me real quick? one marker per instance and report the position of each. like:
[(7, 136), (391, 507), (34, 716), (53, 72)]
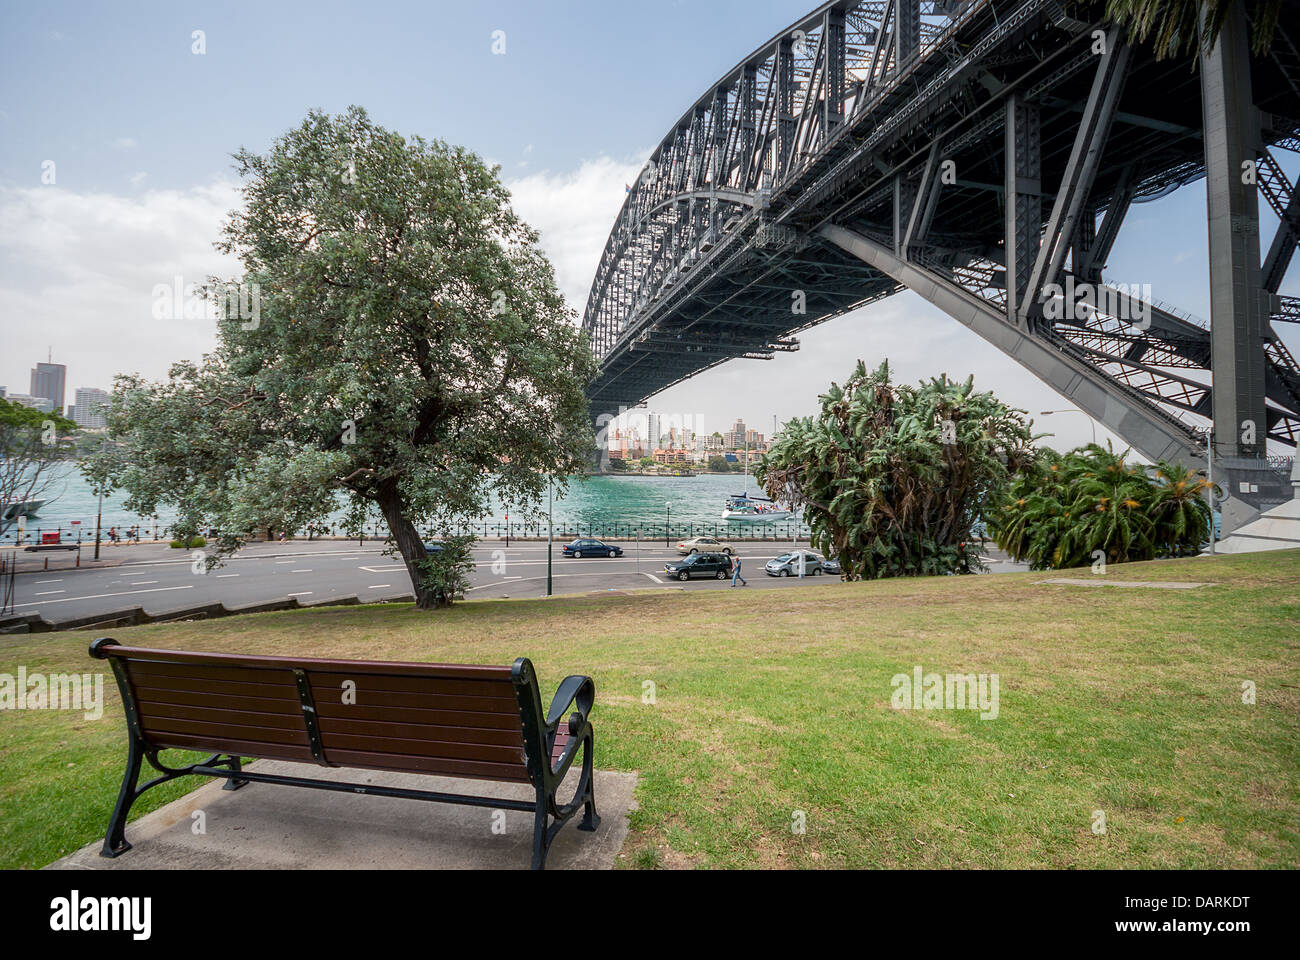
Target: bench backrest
[(446, 719)]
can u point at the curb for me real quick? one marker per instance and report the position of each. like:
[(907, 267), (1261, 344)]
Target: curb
[(135, 616)]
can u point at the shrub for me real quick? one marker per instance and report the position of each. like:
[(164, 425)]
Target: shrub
[(891, 478), (1065, 508)]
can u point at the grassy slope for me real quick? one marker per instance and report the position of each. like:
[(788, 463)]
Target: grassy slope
[(1121, 700)]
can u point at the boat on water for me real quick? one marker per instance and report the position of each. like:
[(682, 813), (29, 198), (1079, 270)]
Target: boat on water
[(25, 508), (742, 508)]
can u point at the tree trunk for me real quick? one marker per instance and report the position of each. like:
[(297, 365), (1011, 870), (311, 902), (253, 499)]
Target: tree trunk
[(409, 544)]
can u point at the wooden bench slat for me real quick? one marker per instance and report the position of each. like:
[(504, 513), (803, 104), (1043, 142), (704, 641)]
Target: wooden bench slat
[(260, 749), (313, 664), (184, 685), (165, 726), (453, 768), (333, 681), (206, 700), (247, 718), (478, 719), (441, 733), (485, 752), (432, 701), (194, 672)]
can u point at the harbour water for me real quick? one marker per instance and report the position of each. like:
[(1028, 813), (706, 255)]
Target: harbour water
[(599, 505)]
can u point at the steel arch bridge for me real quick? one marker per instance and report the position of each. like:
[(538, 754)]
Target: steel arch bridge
[(983, 154)]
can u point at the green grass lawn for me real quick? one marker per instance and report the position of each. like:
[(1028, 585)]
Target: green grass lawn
[(1127, 701)]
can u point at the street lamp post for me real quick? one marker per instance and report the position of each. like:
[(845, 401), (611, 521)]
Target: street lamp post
[(668, 524), (550, 509), (99, 514), (1091, 422)]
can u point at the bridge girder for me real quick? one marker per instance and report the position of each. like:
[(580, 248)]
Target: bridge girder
[(937, 136)]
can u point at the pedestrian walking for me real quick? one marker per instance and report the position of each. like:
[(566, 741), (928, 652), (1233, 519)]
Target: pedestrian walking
[(735, 572)]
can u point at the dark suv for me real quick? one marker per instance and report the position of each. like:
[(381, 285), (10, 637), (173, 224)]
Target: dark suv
[(700, 565)]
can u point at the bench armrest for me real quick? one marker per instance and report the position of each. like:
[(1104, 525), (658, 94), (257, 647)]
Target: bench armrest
[(571, 689), (580, 692)]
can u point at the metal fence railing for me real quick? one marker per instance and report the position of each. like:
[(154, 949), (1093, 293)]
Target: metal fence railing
[(789, 530)]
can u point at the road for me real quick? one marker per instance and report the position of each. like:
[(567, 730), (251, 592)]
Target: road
[(162, 580)]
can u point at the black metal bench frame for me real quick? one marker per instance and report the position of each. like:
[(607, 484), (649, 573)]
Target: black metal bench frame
[(539, 734)]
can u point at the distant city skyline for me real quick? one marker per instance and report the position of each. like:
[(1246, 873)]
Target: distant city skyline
[(48, 393)]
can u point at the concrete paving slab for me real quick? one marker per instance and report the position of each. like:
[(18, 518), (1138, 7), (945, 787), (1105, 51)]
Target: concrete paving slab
[(1150, 584), (265, 826)]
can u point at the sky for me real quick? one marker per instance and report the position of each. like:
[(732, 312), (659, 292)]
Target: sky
[(133, 117)]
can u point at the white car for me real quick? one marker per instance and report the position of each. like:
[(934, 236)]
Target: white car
[(704, 545), (787, 564)]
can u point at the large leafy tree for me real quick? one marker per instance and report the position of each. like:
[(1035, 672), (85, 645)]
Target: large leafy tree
[(1062, 509), (411, 354), (892, 477)]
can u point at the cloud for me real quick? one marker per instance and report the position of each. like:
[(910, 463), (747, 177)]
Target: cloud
[(574, 212), (123, 143), (77, 272), (137, 178)]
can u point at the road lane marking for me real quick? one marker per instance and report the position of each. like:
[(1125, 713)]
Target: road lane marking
[(654, 578), (101, 596), (300, 571), (306, 594), (380, 586), (392, 569), (223, 576), (47, 593)]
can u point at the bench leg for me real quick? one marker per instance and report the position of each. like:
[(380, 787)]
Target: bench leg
[(541, 833), (115, 840), (234, 783), (590, 820)]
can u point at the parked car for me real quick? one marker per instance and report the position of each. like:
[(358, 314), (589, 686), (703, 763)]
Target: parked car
[(716, 565), (591, 548), (432, 547), (787, 565), (831, 566), (704, 545)]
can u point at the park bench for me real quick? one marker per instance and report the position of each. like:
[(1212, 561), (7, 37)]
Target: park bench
[(450, 720)]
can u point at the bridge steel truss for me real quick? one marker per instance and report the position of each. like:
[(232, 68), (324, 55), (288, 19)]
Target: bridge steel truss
[(984, 155)]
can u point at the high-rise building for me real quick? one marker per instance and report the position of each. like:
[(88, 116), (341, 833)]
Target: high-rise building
[(734, 439), (90, 409), (48, 380), (652, 438)]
